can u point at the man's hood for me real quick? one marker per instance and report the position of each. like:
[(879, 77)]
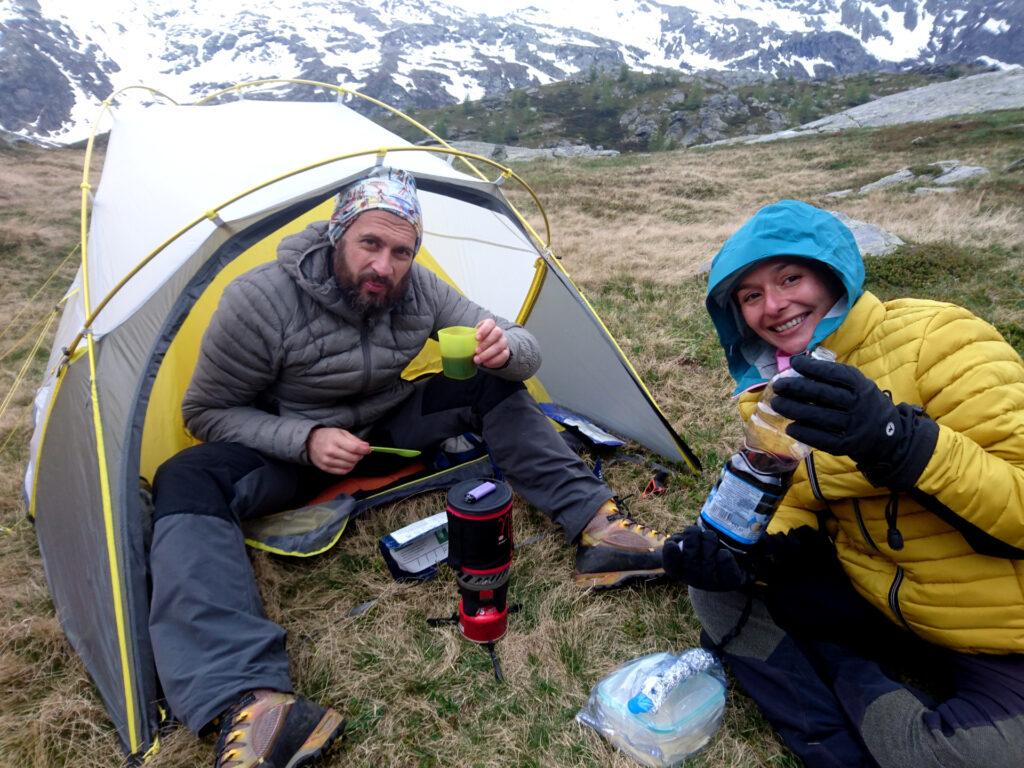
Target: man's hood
[(785, 228)]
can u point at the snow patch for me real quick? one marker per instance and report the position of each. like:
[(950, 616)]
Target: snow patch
[(809, 64), (905, 43), (996, 26), (403, 81), (1003, 65)]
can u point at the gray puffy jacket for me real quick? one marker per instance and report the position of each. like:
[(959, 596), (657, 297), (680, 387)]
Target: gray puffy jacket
[(284, 353)]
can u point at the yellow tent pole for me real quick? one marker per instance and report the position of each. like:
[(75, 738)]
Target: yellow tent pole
[(213, 213), (101, 456), (387, 107), (112, 560)]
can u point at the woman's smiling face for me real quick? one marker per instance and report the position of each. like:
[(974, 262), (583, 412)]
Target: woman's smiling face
[(783, 299)]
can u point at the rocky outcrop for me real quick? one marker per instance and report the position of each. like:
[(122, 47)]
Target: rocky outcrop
[(940, 176), (684, 120), (968, 95)]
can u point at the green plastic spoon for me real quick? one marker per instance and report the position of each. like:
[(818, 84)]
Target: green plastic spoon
[(397, 451)]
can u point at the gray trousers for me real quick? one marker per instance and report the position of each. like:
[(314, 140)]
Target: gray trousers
[(835, 683), (211, 640)]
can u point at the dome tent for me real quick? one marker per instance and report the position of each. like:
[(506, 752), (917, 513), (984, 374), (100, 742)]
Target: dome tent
[(191, 196)]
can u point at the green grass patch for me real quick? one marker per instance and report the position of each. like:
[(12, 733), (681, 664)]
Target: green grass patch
[(984, 280)]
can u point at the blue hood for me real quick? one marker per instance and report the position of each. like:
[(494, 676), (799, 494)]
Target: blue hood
[(785, 228)]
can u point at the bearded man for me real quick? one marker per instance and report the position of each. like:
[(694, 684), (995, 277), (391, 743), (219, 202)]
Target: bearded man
[(298, 373)]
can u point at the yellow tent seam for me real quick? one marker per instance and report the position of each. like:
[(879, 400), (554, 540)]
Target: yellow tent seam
[(277, 551), (464, 157), (42, 440)]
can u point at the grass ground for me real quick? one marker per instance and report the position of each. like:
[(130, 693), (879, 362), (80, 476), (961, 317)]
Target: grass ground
[(634, 232)]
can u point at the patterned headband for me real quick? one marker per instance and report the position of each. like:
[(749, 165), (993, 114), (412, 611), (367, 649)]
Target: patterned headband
[(385, 189)]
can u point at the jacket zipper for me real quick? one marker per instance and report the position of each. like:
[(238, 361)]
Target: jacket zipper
[(897, 582), (863, 528), (894, 598), (364, 342), (812, 476)]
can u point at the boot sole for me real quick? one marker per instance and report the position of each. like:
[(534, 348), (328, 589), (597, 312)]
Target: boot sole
[(330, 728), (614, 579)]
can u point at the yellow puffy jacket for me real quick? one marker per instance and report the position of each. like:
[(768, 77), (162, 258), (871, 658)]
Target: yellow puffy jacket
[(958, 580)]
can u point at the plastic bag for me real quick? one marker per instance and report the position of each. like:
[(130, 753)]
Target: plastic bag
[(678, 700)]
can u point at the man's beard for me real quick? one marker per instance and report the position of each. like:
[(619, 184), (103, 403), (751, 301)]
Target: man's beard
[(368, 303)]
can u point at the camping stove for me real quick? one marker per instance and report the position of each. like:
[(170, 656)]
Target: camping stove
[(480, 553)]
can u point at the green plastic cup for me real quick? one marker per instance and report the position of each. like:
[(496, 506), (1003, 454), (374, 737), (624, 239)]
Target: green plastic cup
[(458, 343)]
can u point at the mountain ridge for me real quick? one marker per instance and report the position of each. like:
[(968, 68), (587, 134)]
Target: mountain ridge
[(62, 59)]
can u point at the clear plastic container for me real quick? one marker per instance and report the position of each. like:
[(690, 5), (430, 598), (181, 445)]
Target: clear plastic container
[(688, 717), (765, 430)]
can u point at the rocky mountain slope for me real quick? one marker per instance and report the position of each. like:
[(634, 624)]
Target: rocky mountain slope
[(630, 111), (61, 58)]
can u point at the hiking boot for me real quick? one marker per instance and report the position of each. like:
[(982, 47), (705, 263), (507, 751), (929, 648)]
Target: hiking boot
[(275, 730), (614, 549)]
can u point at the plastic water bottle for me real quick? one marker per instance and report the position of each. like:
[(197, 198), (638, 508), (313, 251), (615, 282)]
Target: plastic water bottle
[(754, 480)]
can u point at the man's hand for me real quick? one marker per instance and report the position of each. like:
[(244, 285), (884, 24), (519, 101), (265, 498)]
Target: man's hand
[(335, 450), (697, 558), (491, 345), (836, 408)]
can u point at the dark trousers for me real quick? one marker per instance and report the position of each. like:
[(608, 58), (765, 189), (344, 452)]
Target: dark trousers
[(844, 687), (211, 639)]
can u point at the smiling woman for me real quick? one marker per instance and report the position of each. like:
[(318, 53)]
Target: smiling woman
[(872, 569)]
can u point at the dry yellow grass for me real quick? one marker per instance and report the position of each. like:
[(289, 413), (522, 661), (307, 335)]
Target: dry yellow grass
[(662, 217), (633, 232)]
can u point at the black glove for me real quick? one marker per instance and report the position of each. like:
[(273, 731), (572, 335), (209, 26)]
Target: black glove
[(802, 553), (837, 409), (697, 558)]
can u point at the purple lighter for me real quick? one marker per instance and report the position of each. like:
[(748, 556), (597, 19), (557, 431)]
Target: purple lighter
[(479, 492)]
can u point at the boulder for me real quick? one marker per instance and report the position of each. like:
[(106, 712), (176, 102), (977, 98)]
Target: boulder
[(901, 176), (959, 174), (872, 240)]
